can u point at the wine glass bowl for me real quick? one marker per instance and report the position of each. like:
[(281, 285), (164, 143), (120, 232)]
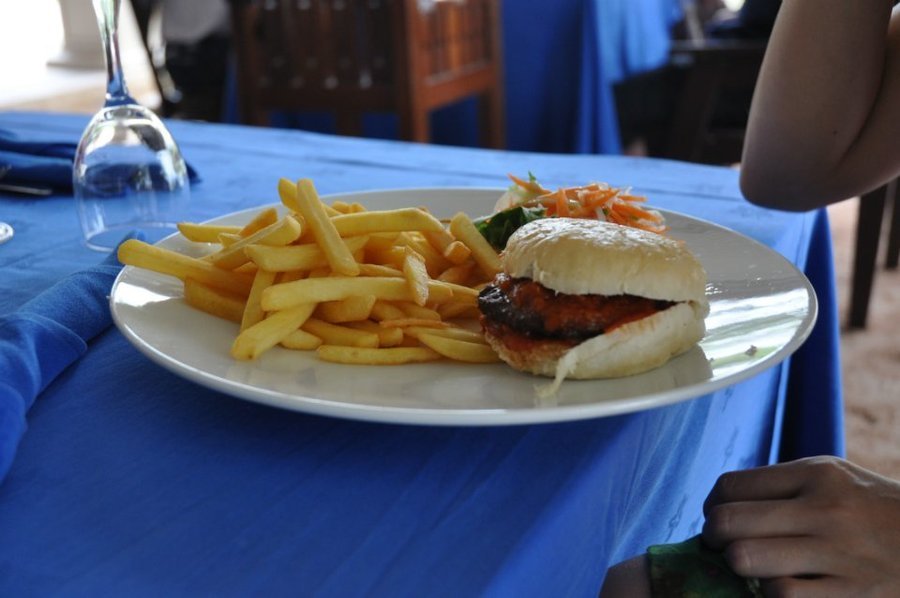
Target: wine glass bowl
[(128, 174)]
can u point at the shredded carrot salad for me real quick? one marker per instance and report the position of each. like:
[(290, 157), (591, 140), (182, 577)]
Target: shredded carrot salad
[(595, 200)]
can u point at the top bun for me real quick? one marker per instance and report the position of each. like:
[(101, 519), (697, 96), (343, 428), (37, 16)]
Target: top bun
[(577, 256)]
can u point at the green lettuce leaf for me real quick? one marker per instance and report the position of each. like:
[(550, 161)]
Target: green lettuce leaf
[(497, 228)]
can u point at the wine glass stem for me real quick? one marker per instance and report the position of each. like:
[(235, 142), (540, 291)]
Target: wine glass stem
[(107, 12)]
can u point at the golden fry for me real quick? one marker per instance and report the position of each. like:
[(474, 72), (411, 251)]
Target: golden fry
[(205, 233), (459, 350), (439, 239), (435, 263), (460, 334), (253, 311), (386, 221), (417, 311), (300, 340), (351, 309), (381, 241), (262, 219), (281, 232), (387, 337), (335, 288), (482, 252), (453, 310), (228, 239), (341, 206), (416, 276), (295, 257), (262, 336), (213, 301), (388, 356), (165, 261), (457, 274), (458, 292), (392, 256), (333, 334), (383, 310), (420, 322), (287, 190), (313, 210), (440, 292), (291, 276), (248, 268), (379, 270), (457, 253)]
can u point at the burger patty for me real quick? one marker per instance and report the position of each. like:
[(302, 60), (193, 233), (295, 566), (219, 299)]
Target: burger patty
[(529, 308)]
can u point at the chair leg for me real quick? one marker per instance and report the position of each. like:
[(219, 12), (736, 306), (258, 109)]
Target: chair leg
[(414, 126), (893, 248), (258, 118), (868, 227), (491, 124), (349, 124), (685, 138)]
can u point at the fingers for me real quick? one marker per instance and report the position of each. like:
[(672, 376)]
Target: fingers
[(732, 521), (804, 588), (773, 482), (778, 557)]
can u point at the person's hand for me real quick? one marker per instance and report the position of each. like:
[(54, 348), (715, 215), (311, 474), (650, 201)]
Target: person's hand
[(814, 527)]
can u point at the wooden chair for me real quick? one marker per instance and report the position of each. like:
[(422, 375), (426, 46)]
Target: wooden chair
[(356, 56), (869, 226), (710, 116)]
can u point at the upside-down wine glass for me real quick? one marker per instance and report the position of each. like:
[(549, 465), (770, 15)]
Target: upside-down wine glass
[(128, 174)]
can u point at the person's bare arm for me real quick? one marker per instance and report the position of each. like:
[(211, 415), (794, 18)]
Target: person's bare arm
[(825, 119)]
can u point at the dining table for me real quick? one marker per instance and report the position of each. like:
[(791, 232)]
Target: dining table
[(124, 477)]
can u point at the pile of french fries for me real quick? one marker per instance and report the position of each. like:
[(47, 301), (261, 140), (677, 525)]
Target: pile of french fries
[(357, 286)]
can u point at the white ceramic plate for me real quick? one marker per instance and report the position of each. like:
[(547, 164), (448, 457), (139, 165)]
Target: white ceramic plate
[(762, 309)]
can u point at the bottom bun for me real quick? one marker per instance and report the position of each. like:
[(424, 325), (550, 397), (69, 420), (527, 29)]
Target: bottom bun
[(630, 349)]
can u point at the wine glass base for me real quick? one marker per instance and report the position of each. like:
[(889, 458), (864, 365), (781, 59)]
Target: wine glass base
[(6, 232), (108, 239)]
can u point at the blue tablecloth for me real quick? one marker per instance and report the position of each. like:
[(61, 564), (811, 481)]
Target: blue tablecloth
[(133, 481), (561, 59)]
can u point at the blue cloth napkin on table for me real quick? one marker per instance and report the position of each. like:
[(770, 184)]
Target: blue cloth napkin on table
[(42, 338), (43, 162)]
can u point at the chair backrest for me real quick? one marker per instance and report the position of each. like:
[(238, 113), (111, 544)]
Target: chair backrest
[(351, 56), (711, 110)]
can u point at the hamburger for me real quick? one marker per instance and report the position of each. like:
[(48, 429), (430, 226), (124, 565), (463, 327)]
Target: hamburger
[(581, 298)]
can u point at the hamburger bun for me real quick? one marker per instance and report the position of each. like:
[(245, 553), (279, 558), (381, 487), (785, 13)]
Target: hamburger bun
[(583, 262)]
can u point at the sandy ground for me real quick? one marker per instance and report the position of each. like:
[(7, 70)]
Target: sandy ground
[(870, 357)]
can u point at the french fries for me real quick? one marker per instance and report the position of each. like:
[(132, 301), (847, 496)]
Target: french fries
[(389, 356), (205, 233), (308, 204), (487, 259), (357, 286)]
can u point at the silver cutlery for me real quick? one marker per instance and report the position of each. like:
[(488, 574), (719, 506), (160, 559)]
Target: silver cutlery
[(21, 189)]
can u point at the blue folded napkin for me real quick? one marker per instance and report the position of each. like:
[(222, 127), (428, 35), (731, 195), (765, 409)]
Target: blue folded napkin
[(43, 161), (42, 338)]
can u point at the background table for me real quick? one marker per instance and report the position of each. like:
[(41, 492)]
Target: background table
[(133, 481)]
